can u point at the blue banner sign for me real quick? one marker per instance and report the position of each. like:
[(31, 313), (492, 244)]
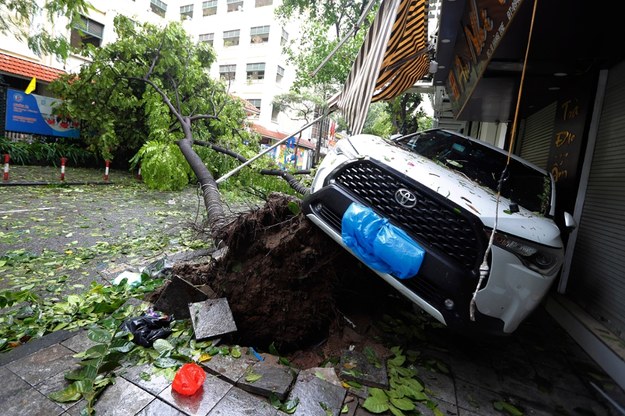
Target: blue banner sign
[(31, 113)]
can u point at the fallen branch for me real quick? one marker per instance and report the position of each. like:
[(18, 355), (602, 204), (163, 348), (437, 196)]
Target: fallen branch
[(288, 177)]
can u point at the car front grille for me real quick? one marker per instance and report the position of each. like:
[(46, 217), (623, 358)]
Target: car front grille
[(434, 220)]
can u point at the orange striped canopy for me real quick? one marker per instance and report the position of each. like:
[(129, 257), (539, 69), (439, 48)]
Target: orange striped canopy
[(391, 60)]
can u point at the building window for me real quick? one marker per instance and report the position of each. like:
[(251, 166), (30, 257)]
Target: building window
[(256, 71), (279, 74), (285, 37), (186, 12), (158, 7), (255, 102), (275, 111), (234, 5), (231, 37), (262, 3), (209, 8), (86, 31), (259, 34), (208, 38), (227, 72)]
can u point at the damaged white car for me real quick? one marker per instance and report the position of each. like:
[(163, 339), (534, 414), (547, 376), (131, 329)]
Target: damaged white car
[(419, 210)]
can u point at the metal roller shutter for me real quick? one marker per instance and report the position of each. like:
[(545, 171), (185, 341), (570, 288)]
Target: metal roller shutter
[(597, 279), (537, 136)]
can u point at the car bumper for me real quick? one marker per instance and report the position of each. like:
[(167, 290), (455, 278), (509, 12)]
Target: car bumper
[(442, 288)]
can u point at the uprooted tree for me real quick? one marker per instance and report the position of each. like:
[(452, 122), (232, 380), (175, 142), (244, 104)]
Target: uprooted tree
[(151, 90)]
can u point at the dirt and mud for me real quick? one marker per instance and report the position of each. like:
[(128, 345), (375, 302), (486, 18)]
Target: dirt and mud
[(289, 284)]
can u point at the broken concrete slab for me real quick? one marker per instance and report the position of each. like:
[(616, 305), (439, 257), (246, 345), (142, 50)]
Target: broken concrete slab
[(266, 378), (317, 397), (229, 368), (176, 296), (211, 318), (200, 403), (355, 366), (240, 403)]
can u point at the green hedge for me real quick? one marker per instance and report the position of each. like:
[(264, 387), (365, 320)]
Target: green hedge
[(44, 153)]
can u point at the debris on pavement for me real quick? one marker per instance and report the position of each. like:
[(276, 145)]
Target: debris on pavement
[(176, 296), (148, 328), (211, 318), (132, 279), (188, 379)]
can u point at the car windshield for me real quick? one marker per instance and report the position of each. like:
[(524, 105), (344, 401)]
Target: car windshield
[(522, 184)]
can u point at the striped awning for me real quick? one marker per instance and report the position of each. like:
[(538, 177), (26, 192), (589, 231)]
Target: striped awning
[(391, 60)]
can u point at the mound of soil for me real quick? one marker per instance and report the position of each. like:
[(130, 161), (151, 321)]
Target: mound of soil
[(289, 284)]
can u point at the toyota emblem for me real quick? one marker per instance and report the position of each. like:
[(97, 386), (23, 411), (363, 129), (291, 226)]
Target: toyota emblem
[(405, 198)]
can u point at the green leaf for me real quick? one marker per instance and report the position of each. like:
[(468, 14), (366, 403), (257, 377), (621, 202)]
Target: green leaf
[(253, 377), (290, 406), (166, 362), (68, 394), (508, 408), (402, 404), (162, 346), (395, 411), (376, 404), (397, 361), (99, 335), (235, 352), (96, 351)]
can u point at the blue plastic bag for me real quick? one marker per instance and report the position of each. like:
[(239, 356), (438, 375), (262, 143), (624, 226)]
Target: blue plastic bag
[(380, 244)]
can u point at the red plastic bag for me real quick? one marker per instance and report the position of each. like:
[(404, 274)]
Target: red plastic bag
[(188, 379)]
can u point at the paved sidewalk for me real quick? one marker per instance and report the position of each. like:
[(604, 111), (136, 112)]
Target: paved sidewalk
[(539, 370)]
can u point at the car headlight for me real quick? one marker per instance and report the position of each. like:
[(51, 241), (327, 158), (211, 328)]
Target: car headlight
[(542, 259)]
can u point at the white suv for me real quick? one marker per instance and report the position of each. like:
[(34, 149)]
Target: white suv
[(419, 211)]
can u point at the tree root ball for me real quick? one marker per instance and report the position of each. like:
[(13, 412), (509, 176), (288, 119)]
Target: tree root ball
[(280, 276)]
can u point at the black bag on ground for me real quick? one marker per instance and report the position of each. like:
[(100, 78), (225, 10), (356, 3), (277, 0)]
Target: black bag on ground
[(148, 328)]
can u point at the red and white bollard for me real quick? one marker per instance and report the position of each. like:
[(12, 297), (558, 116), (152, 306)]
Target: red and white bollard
[(63, 161), (106, 170), (6, 166)]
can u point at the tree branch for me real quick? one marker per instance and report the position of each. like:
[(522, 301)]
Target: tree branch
[(288, 177)]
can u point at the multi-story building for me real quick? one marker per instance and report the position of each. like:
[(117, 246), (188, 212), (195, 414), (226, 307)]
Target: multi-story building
[(246, 36)]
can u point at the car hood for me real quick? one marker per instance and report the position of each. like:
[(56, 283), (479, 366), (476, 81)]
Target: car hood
[(479, 200)]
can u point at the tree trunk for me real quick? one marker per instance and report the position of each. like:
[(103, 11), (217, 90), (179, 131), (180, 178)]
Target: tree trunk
[(212, 196)]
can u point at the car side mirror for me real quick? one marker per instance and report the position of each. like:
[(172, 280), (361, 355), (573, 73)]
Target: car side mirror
[(569, 221)]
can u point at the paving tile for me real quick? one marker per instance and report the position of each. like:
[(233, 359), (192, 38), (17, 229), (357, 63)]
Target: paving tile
[(578, 404), (29, 402), (122, 399), (275, 379), (229, 368), (437, 385), (240, 403), (136, 374), (563, 379), (448, 409), (34, 345), (11, 384), (159, 408), (43, 364), (202, 401), (476, 399), (79, 342), (211, 318), (316, 397), (355, 366), (474, 372), (56, 383)]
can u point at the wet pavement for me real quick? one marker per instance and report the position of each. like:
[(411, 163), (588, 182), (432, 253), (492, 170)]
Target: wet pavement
[(539, 370)]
